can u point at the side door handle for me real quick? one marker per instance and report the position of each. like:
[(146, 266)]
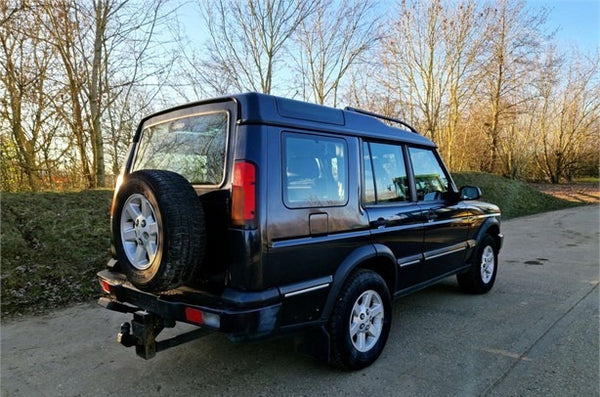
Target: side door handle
[(432, 216), (379, 223)]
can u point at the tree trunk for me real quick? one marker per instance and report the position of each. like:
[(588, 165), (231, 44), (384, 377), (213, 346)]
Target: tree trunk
[(101, 10)]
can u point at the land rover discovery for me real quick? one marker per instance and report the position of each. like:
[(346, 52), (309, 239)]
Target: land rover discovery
[(255, 215)]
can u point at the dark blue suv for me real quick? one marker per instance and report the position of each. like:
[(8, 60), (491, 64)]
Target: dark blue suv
[(255, 215)]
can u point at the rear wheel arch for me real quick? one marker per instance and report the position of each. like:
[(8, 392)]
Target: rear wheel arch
[(384, 267), (368, 257)]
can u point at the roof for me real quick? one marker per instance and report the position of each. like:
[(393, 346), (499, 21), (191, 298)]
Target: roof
[(256, 108)]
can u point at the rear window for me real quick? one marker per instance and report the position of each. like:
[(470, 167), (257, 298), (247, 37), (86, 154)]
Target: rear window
[(315, 171), (192, 146)]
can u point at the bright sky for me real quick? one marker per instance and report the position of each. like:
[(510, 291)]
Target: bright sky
[(577, 21)]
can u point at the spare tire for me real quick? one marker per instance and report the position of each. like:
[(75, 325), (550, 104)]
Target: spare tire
[(158, 229)]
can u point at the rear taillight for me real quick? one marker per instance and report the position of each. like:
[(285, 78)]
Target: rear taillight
[(105, 286), (243, 201), (199, 317)]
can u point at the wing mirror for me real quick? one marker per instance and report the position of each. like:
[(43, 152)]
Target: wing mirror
[(470, 193)]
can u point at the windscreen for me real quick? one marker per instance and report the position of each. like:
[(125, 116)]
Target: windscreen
[(192, 146)]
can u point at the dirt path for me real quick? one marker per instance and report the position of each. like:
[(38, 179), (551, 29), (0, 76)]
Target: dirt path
[(576, 192)]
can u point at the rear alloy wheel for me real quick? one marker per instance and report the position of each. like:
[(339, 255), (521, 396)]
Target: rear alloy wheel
[(360, 321), (158, 229), (366, 321)]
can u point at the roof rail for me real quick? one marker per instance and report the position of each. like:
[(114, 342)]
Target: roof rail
[(380, 116)]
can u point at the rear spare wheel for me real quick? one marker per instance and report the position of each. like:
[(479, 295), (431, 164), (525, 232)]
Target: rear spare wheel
[(158, 229)]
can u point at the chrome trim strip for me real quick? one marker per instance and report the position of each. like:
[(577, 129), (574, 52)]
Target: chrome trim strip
[(303, 291), (445, 221), (409, 260), (486, 216), (409, 263), (452, 251), (388, 229)]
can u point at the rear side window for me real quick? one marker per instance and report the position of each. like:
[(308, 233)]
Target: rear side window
[(385, 173), (316, 171), (430, 180), (192, 146)]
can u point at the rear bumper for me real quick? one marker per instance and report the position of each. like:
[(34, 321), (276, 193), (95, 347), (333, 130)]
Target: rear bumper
[(240, 315)]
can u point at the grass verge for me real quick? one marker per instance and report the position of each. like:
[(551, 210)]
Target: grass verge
[(53, 244), (513, 197)]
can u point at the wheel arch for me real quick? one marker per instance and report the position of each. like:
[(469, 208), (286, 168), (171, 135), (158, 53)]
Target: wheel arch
[(492, 227), (375, 257)]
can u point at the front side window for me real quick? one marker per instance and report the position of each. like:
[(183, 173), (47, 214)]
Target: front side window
[(192, 146), (316, 171), (387, 170), (430, 180)]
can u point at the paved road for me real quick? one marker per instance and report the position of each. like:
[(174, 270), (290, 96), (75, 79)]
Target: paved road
[(534, 334)]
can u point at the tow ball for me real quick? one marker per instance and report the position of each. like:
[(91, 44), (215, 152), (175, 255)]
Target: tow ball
[(124, 337), (144, 329)]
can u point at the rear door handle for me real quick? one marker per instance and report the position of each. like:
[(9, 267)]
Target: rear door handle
[(379, 223), (432, 216)]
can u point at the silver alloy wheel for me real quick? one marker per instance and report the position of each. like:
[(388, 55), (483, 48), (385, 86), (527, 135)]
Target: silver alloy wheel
[(139, 231), (488, 262), (366, 320)]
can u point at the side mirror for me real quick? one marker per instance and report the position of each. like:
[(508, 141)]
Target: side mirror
[(470, 193)]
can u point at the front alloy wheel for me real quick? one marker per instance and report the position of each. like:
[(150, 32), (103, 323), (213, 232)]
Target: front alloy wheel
[(480, 277), (488, 264)]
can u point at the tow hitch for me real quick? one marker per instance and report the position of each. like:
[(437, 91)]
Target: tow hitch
[(146, 327)]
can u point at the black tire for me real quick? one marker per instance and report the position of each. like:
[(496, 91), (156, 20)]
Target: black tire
[(479, 279), (165, 247), (360, 285)]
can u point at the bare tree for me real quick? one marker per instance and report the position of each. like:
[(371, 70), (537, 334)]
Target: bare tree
[(63, 30), (432, 56), (465, 44), (515, 36), (331, 40), (102, 45), (247, 38), (572, 130), (416, 60), (26, 65)]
